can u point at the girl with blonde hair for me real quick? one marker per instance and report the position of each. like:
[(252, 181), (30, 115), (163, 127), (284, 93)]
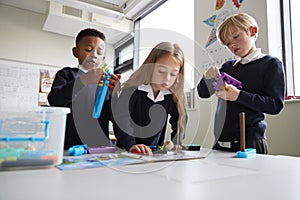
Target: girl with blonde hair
[(151, 94)]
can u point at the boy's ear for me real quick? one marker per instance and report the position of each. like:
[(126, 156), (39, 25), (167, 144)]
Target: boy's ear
[(253, 30), (75, 52)]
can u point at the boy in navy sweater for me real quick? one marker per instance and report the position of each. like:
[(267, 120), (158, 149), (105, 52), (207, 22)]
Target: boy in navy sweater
[(76, 88), (263, 86)]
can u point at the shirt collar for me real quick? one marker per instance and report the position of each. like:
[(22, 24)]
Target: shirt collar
[(251, 57), (82, 68), (148, 88)]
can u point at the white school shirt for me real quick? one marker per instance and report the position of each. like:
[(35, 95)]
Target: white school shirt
[(82, 68), (160, 96), (257, 54)]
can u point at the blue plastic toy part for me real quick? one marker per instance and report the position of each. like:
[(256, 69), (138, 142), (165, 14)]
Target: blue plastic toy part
[(248, 153), (101, 96), (77, 150), (34, 126)]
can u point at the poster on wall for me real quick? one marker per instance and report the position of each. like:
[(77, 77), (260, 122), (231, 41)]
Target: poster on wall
[(46, 79), (216, 54), (21, 84)]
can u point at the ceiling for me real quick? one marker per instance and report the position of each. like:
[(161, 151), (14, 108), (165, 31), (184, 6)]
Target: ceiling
[(122, 10), (131, 9), (41, 6)]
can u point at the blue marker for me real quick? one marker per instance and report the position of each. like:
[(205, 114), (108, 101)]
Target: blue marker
[(101, 94)]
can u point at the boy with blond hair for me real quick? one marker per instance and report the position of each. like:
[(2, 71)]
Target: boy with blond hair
[(262, 92)]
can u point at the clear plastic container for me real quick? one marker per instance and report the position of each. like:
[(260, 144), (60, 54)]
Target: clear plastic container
[(38, 130)]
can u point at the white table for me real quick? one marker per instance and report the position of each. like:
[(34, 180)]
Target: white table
[(219, 176)]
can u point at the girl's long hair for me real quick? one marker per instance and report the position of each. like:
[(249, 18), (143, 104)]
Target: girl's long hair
[(144, 73)]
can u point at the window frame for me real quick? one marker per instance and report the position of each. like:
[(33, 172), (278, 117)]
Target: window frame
[(126, 65), (287, 49), (134, 40)]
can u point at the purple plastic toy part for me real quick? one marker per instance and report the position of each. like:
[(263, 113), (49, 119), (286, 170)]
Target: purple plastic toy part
[(228, 79)]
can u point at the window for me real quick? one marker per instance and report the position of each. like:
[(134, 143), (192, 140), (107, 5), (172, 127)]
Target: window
[(295, 32), (291, 45), (124, 57), (168, 22)]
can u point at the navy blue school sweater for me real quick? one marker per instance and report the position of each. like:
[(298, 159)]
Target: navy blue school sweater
[(139, 120), (263, 91), (81, 128)]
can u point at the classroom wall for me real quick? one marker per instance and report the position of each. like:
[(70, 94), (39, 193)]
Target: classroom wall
[(283, 130), (22, 39)]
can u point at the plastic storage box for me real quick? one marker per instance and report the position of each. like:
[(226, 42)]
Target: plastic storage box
[(33, 137)]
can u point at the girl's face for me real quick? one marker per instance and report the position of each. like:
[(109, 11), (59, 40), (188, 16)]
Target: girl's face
[(240, 42), (90, 52), (165, 73)]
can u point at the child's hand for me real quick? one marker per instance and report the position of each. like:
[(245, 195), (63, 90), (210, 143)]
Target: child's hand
[(228, 92), (177, 147), (93, 76), (212, 73), (114, 83), (141, 149)]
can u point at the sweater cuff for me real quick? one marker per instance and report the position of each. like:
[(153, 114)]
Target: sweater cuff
[(242, 97)]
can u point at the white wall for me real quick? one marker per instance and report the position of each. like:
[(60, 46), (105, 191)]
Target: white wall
[(283, 130), (22, 39)]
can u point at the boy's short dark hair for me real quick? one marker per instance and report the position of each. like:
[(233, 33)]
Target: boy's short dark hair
[(90, 32)]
